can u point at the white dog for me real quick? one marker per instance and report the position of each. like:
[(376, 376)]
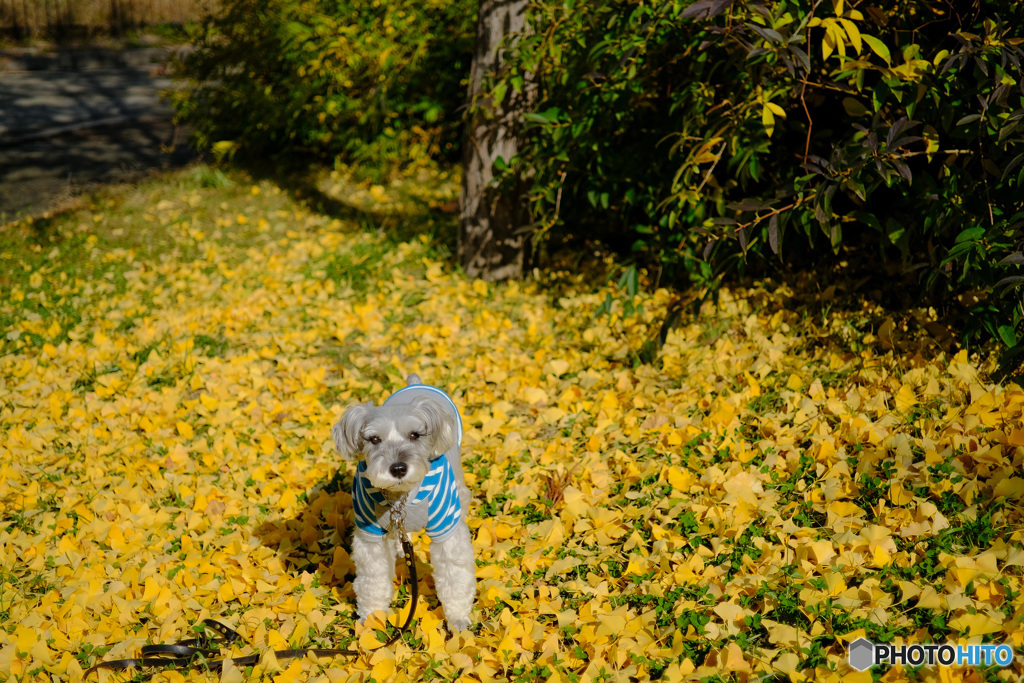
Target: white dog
[(408, 451)]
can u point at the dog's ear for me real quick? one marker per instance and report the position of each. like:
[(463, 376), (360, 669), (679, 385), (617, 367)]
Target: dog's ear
[(346, 433), (440, 425)]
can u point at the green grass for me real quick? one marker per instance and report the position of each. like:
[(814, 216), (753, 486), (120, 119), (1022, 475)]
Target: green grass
[(52, 265)]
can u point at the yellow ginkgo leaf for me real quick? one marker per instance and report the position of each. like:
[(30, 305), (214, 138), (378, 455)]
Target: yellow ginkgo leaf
[(679, 479), (978, 624), (905, 398), (307, 603), (368, 641), (899, 495), (185, 429), (789, 664), (267, 443)]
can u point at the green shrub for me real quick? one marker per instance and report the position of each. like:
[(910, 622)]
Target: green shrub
[(706, 136), (365, 81)]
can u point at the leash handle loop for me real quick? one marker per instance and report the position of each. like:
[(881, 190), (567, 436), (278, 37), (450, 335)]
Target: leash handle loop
[(199, 653)]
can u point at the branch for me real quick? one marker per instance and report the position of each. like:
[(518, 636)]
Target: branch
[(803, 89), (775, 212), (712, 169)]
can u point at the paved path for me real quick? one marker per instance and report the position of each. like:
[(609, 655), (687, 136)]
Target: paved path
[(63, 132), (35, 102)]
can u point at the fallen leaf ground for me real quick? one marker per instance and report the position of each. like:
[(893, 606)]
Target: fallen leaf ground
[(770, 486)]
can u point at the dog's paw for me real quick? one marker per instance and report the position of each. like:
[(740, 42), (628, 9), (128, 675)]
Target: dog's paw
[(458, 624)]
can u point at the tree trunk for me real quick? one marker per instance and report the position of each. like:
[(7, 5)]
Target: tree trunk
[(493, 236)]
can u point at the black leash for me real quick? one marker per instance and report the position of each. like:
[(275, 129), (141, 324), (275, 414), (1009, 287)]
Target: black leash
[(199, 653)]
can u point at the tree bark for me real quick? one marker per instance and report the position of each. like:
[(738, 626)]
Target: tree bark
[(493, 233)]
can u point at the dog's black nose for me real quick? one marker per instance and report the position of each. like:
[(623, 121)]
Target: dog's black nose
[(398, 470)]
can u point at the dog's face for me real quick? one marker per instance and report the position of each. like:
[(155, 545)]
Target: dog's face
[(397, 442)]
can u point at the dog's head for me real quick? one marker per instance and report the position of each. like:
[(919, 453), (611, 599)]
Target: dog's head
[(397, 442)]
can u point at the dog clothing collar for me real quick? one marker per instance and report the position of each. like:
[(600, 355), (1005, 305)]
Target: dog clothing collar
[(434, 505)]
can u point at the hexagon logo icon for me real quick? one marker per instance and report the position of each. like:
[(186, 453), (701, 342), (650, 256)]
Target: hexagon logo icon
[(862, 654)]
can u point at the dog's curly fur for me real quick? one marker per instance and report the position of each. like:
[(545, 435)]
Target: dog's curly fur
[(398, 443)]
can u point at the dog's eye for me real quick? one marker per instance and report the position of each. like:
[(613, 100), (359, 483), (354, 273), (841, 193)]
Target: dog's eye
[(414, 436), (374, 440)]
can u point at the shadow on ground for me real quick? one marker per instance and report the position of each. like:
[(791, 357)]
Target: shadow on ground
[(318, 540), (412, 213), (41, 174)]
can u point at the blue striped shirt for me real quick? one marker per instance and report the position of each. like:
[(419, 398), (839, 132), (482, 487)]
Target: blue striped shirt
[(437, 491)]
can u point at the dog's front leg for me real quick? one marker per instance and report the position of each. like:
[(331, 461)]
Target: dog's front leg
[(455, 576), (374, 559)]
